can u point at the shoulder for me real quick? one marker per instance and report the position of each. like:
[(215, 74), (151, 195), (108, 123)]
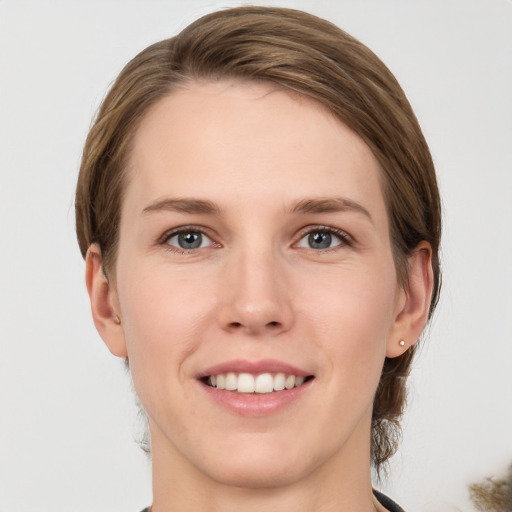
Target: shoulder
[(386, 502)]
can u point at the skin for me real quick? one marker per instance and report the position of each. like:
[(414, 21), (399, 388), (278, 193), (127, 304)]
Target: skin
[(256, 289)]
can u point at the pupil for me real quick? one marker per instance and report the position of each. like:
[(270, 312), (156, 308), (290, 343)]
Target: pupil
[(320, 240), (189, 240)]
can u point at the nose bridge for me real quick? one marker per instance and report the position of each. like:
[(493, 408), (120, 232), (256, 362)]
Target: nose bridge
[(255, 291)]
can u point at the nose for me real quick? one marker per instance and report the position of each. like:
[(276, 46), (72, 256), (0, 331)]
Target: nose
[(255, 296)]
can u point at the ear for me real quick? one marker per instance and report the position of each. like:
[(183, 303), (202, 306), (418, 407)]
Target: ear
[(104, 303), (413, 303)]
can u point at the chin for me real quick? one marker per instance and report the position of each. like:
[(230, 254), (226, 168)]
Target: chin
[(260, 463), (257, 475)]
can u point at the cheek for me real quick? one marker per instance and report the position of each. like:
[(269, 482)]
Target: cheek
[(162, 313), (351, 314)]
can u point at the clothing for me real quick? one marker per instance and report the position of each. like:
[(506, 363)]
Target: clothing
[(383, 500), (386, 502)]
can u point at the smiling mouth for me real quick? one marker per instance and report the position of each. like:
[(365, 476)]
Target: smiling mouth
[(257, 384)]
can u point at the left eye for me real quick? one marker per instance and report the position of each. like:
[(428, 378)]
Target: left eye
[(188, 240), (320, 239)]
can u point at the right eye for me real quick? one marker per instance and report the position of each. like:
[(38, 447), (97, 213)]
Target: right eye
[(188, 240), (324, 238)]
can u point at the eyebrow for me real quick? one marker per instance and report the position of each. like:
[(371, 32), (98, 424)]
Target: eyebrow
[(330, 205), (205, 207), (198, 206)]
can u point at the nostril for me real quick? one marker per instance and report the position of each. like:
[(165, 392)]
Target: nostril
[(255, 327)]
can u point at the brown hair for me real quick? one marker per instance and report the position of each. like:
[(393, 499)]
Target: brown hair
[(298, 52)]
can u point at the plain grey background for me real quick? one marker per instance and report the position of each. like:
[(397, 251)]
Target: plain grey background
[(67, 415)]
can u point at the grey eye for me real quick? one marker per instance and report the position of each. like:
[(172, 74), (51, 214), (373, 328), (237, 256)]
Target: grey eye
[(188, 240), (320, 239)]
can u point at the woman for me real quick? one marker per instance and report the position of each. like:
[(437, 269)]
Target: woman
[(260, 219)]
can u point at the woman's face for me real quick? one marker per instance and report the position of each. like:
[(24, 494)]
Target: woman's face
[(254, 253)]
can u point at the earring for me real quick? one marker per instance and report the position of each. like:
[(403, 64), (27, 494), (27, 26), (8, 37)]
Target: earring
[(117, 320), (401, 343)]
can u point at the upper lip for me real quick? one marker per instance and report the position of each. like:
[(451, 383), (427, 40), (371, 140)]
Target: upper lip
[(254, 367)]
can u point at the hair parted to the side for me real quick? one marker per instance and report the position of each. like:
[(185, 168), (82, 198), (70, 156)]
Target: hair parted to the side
[(301, 53)]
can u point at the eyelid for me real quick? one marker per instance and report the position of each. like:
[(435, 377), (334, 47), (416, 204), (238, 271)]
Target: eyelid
[(164, 239), (344, 237)]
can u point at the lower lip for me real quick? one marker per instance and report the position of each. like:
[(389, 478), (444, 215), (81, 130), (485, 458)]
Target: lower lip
[(256, 404)]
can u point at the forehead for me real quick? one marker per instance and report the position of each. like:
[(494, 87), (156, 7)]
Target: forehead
[(214, 138)]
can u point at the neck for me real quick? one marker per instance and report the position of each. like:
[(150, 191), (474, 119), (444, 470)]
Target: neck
[(341, 483)]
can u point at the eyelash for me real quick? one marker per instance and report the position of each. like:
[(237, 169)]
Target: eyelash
[(343, 236), (164, 239)]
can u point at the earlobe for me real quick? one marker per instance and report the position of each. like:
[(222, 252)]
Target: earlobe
[(415, 304), (104, 303)]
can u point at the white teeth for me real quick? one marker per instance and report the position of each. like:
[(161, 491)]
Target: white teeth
[(264, 383), (231, 382), (290, 382), (245, 383), (279, 381), (261, 383)]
